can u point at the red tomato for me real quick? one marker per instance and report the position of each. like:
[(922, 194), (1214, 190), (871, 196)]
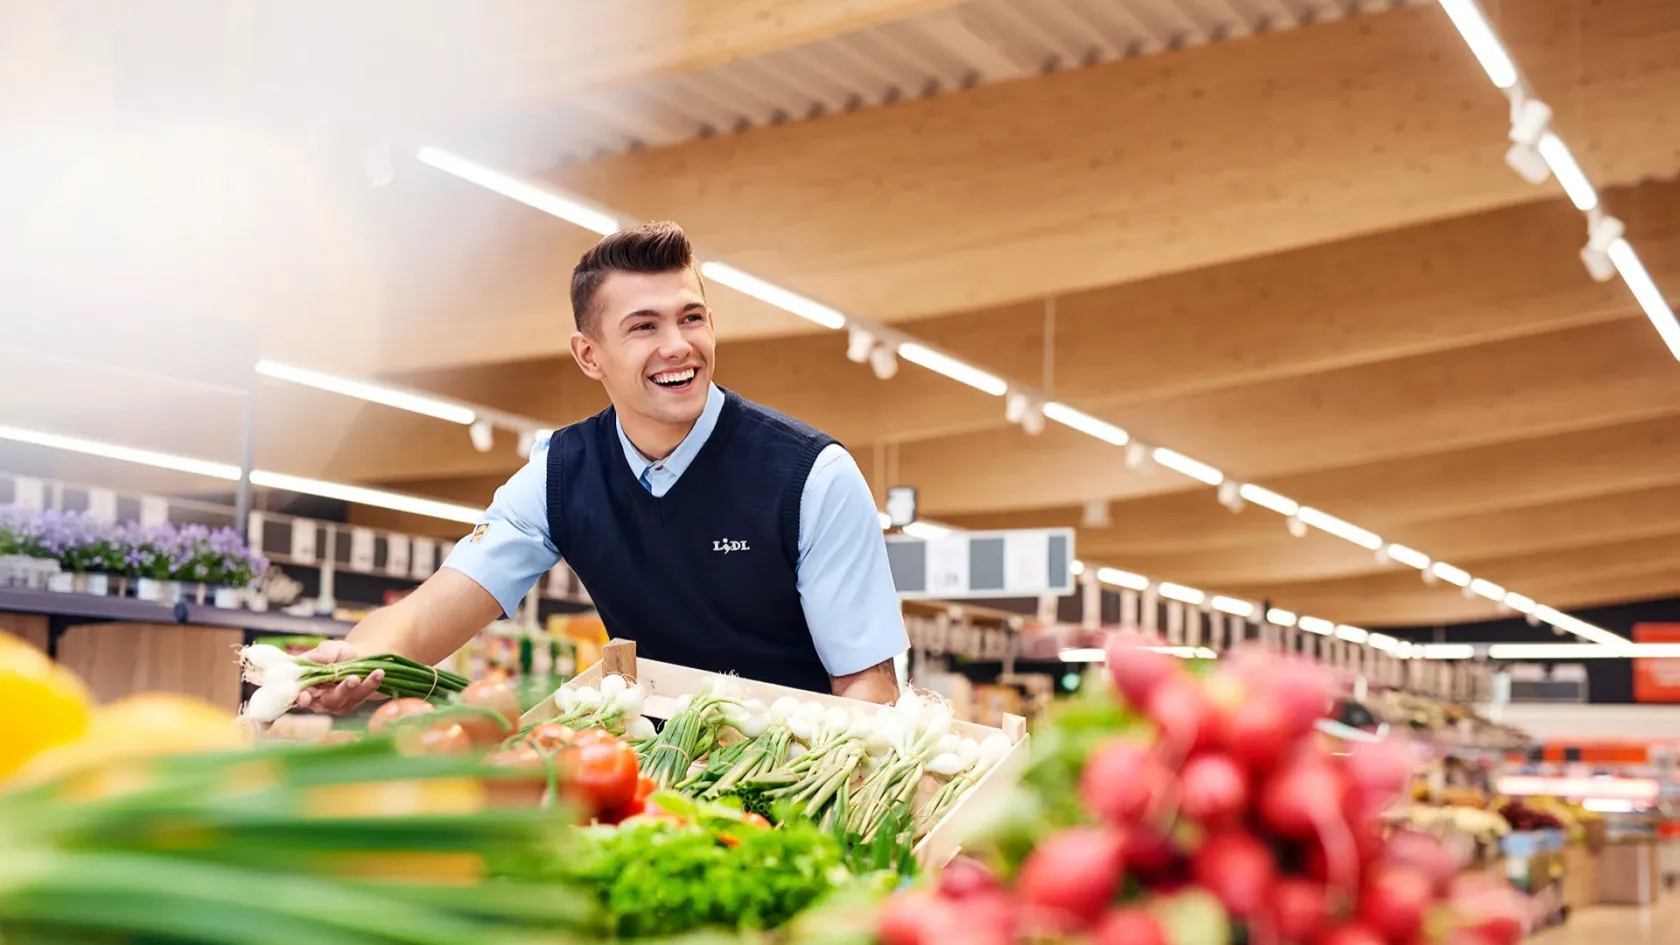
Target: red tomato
[(391, 712), (644, 787), (495, 696), (728, 840), (603, 774), (591, 736), (449, 739), (755, 820), (550, 736)]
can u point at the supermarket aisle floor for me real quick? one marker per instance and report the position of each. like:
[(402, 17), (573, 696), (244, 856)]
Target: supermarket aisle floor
[(1618, 925)]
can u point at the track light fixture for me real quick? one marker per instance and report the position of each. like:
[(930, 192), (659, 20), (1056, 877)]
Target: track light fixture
[(483, 438), (1296, 527), (883, 362), (1230, 495), (1137, 455), (859, 345), (1022, 409), (1531, 120), (1603, 232)]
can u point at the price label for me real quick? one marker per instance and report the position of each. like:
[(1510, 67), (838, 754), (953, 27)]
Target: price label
[(30, 494), (947, 565), (424, 559), (396, 555), (102, 505), (361, 549), (154, 511), (303, 541), (1026, 561)]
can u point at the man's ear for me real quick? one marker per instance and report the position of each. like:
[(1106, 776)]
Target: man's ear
[(583, 352)]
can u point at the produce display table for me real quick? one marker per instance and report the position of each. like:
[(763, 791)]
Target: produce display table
[(121, 645), (665, 683)]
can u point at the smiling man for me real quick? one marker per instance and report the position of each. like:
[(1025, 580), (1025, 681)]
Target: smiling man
[(715, 532)]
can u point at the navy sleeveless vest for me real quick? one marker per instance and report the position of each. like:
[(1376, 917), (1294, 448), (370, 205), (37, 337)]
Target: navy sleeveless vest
[(705, 575)]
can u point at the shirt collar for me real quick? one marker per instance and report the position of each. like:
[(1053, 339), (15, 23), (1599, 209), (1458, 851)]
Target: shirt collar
[(685, 452)]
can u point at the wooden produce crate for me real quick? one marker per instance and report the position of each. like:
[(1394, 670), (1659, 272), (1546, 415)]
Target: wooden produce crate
[(663, 683), (1580, 876)]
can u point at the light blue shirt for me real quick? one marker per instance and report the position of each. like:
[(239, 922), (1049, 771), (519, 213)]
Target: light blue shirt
[(845, 584)]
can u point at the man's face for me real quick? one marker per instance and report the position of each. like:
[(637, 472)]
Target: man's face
[(653, 345)]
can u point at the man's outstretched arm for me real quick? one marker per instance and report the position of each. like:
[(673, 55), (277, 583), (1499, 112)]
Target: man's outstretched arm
[(878, 683), (484, 577), (845, 583)]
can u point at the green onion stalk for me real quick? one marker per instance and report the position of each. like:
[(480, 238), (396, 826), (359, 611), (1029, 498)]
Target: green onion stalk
[(301, 843), (688, 735), (759, 756), (281, 677), (616, 706)]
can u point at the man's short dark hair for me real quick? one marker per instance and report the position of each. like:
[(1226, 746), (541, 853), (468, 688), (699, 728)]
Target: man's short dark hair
[(649, 248)]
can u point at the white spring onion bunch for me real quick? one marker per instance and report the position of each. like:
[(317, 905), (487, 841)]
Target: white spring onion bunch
[(616, 705), (281, 677)]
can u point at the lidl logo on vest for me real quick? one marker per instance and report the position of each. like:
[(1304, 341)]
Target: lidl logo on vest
[(726, 545)]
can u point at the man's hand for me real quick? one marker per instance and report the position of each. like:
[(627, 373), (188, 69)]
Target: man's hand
[(878, 683), (349, 692)]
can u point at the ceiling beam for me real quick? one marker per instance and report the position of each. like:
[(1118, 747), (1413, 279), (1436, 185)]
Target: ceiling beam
[(983, 198)]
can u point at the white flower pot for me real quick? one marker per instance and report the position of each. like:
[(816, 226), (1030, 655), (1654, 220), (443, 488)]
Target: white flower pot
[(96, 584), (163, 592), (228, 597), (63, 582)]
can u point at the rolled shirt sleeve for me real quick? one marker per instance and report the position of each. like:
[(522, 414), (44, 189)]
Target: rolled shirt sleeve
[(845, 583), (510, 548)]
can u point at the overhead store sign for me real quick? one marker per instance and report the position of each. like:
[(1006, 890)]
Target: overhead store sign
[(1656, 679), (1016, 563)]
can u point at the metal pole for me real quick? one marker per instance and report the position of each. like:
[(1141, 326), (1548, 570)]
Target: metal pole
[(247, 450)]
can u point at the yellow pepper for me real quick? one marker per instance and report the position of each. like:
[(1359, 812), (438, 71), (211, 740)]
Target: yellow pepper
[(42, 704)]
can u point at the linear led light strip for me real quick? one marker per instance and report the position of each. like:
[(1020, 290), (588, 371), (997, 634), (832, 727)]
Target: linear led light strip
[(582, 213), (1552, 651), (378, 498), (1538, 149)]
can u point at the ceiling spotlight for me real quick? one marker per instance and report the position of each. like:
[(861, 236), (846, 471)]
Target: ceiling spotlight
[(1136, 455), (1381, 554), (1530, 119), (1022, 409), (859, 344), (483, 438), (1095, 514), (1296, 527), (883, 361), (1230, 495), (1428, 576), (1603, 232)]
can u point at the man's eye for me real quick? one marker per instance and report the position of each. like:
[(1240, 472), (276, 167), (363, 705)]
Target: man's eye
[(693, 317), (641, 325)]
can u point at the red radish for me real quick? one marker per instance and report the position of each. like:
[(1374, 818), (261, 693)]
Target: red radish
[(1185, 716), (987, 918), (1304, 691), (1299, 908), (1299, 795), (916, 918), (1213, 789), (1149, 853), (1257, 732), (1076, 872), (1424, 852), (1394, 901), (1129, 927), (1379, 772), (1121, 781), (1354, 934), (1137, 671), (965, 877), (1239, 870)]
